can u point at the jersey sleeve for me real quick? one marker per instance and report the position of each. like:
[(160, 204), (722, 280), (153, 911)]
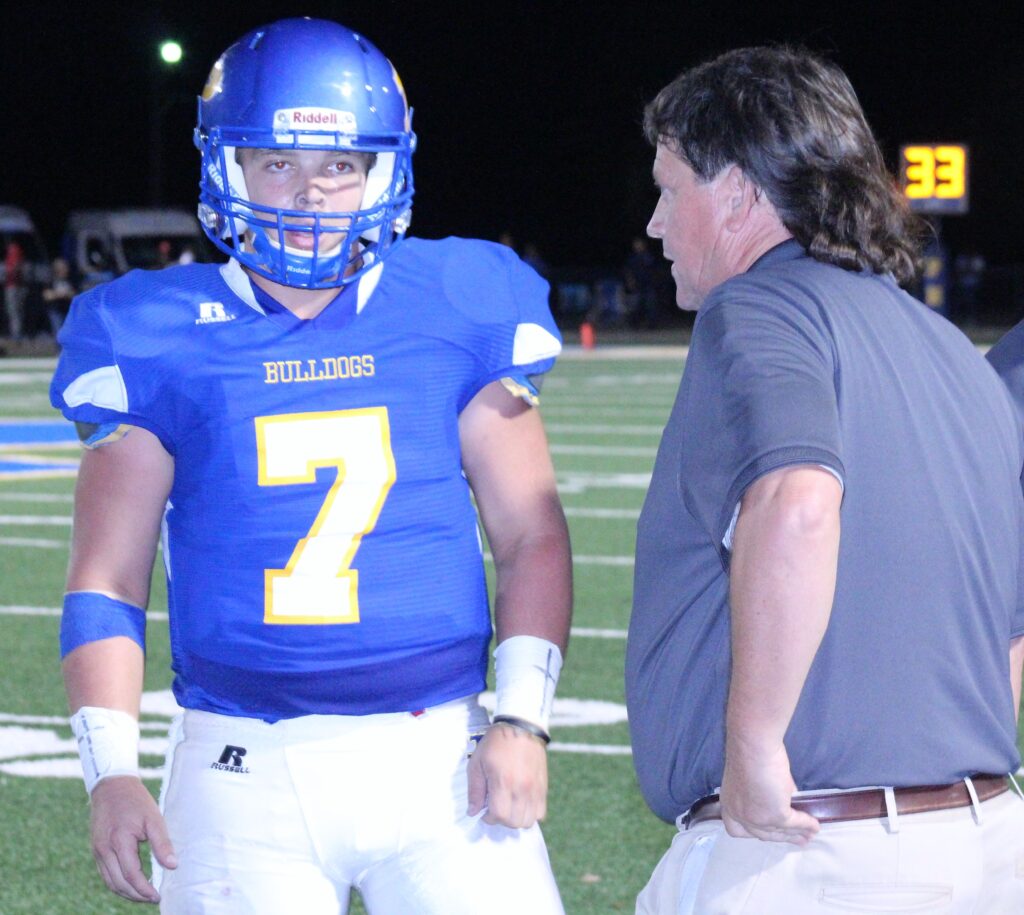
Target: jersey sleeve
[(96, 384), (506, 302), (761, 391)]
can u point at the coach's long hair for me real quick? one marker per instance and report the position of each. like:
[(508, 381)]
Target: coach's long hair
[(792, 122)]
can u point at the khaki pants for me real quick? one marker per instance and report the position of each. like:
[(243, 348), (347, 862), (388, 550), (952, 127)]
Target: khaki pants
[(944, 861)]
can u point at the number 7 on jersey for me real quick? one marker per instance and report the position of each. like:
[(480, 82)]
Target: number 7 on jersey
[(318, 585)]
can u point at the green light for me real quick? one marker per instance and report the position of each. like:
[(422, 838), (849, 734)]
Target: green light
[(170, 52)]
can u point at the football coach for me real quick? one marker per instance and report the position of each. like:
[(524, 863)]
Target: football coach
[(825, 652)]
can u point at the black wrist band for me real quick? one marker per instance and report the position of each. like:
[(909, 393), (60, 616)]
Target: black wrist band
[(524, 725)]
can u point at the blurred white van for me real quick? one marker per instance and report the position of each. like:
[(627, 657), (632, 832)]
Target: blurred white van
[(104, 244)]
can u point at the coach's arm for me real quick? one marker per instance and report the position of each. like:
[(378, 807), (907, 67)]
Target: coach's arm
[(782, 582)]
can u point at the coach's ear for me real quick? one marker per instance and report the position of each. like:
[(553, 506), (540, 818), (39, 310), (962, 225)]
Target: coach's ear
[(746, 209), (738, 198)]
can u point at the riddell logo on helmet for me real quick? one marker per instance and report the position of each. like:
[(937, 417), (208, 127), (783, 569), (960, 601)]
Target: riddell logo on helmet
[(315, 119)]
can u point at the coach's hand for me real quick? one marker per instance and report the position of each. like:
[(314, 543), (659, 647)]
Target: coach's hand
[(757, 792), (124, 814), (508, 774)]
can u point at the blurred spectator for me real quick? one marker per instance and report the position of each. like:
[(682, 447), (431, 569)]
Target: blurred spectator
[(531, 255), (935, 276), (14, 288), (97, 267), (608, 302), (57, 295), (187, 256), (969, 270), (506, 238), (640, 283), (572, 299)]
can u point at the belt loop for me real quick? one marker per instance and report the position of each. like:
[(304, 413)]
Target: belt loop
[(1016, 785), (975, 803), (892, 814)]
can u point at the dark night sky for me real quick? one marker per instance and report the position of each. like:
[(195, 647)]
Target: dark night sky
[(527, 112)]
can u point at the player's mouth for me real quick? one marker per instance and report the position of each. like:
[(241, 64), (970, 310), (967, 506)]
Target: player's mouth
[(304, 241)]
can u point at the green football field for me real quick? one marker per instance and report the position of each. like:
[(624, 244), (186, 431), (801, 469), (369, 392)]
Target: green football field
[(604, 410)]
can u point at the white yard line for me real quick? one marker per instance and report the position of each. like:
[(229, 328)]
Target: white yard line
[(41, 520), (610, 353), (34, 543), (13, 378), (582, 632), (625, 514), (576, 483), (40, 446), (605, 450), (41, 363), (11, 496), (596, 749)]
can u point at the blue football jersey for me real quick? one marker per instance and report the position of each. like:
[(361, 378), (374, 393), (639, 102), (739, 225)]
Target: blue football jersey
[(320, 542)]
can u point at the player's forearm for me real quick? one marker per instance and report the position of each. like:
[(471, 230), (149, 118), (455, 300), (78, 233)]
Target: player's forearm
[(105, 674), (782, 583), (533, 595), (1016, 670)]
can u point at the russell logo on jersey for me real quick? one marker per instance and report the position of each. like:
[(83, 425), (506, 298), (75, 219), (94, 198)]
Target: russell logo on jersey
[(213, 313)]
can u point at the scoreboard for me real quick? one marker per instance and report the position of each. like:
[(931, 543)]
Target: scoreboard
[(934, 177)]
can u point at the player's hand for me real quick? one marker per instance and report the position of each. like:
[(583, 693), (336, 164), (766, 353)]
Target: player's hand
[(757, 790), (508, 774), (124, 814)]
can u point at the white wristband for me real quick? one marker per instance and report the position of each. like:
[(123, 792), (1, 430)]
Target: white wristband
[(108, 743), (526, 671)]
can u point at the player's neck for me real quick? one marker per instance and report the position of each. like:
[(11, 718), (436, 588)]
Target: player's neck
[(303, 303)]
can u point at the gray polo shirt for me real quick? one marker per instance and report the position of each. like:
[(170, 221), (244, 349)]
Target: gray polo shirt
[(1007, 357), (799, 362)]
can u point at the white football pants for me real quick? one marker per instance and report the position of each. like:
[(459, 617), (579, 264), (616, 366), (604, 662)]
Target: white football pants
[(282, 818)]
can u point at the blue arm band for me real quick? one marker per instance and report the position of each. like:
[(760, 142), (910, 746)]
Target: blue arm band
[(90, 616)]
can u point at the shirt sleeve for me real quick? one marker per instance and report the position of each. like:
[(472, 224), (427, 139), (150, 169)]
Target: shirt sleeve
[(1007, 358), (1017, 618), (514, 334), (96, 385), (760, 391)]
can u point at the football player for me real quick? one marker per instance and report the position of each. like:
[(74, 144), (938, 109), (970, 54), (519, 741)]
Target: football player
[(305, 429)]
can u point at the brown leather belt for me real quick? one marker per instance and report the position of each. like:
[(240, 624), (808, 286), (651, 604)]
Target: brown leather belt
[(869, 803)]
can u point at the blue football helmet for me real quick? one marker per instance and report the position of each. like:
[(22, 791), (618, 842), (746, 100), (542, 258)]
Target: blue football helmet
[(305, 84)]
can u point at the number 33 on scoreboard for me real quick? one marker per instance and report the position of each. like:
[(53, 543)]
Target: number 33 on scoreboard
[(318, 585)]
